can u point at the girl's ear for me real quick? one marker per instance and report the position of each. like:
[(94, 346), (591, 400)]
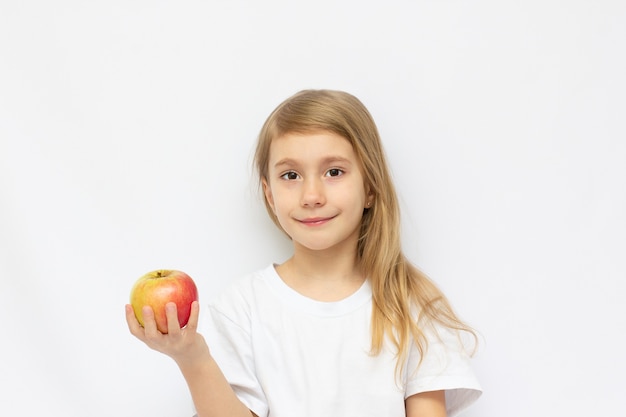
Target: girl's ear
[(370, 197), (267, 191)]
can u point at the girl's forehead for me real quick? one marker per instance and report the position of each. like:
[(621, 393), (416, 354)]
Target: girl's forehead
[(310, 143)]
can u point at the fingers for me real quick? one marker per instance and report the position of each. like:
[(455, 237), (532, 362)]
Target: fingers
[(180, 344), (149, 322), (150, 334), (171, 313), (192, 324), (173, 325), (148, 330), (133, 324)]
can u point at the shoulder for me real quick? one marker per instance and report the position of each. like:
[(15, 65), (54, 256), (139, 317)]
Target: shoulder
[(243, 293)]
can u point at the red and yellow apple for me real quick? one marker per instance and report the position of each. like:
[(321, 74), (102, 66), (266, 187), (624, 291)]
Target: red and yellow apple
[(157, 288)]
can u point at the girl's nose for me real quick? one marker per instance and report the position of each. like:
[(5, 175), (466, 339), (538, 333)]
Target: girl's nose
[(313, 193)]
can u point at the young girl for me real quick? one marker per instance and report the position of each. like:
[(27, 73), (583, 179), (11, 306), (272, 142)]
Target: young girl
[(347, 326)]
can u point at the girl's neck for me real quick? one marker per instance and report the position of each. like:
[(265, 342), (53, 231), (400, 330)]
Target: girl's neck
[(322, 276)]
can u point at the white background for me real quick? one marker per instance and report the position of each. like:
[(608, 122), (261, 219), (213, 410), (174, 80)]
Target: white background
[(126, 133)]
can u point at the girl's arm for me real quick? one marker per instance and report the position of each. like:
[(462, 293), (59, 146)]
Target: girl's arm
[(210, 391), (426, 404)]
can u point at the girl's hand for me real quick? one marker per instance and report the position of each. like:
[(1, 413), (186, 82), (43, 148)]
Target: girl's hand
[(185, 345)]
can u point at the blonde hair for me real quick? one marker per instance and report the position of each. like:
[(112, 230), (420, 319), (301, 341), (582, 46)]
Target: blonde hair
[(399, 288)]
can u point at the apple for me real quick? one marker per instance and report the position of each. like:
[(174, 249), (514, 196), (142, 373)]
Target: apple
[(157, 288)]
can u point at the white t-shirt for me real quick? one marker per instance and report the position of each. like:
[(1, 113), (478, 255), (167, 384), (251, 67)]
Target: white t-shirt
[(287, 355)]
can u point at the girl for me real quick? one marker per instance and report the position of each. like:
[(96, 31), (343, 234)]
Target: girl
[(347, 326)]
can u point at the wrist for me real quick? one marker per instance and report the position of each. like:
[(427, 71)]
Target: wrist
[(194, 361), (194, 355)]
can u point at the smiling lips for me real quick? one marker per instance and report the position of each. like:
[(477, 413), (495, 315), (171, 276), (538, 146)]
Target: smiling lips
[(316, 221)]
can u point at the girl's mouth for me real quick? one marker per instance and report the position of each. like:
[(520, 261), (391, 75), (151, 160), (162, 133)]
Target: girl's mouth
[(316, 221)]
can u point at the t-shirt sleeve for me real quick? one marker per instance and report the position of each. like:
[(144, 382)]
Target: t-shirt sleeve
[(446, 366), (231, 347)]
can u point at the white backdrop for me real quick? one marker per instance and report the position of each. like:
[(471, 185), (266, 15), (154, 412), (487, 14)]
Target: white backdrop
[(126, 133)]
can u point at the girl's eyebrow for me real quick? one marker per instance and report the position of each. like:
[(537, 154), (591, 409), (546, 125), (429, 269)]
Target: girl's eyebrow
[(325, 161)]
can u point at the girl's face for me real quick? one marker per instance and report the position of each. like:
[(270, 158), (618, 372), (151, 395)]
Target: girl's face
[(316, 189)]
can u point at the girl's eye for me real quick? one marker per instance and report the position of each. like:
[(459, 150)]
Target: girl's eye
[(290, 176), (334, 172)]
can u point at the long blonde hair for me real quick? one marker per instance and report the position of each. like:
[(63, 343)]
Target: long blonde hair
[(399, 288)]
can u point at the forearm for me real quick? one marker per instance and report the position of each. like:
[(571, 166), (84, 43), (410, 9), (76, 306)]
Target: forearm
[(211, 393)]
